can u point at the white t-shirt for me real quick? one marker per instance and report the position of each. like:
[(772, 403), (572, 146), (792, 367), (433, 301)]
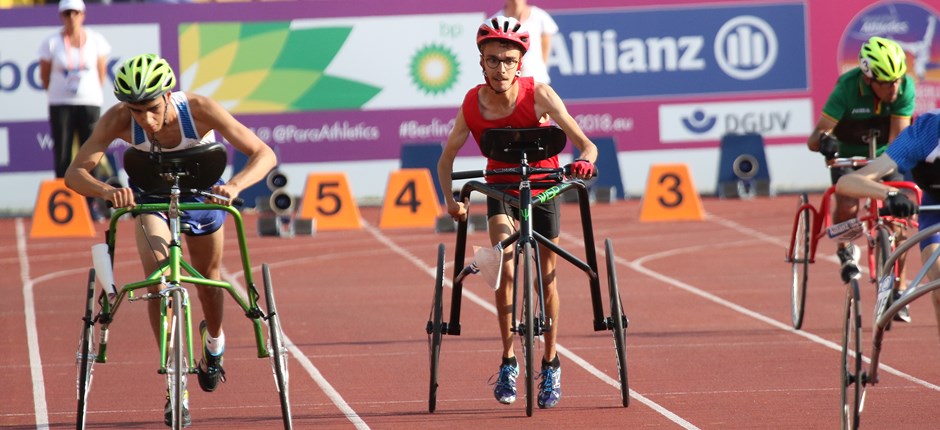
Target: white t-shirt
[(538, 23), (74, 76)]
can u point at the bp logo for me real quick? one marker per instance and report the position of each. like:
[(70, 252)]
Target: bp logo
[(434, 69)]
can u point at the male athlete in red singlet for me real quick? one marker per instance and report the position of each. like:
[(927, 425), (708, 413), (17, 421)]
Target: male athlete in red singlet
[(508, 101)]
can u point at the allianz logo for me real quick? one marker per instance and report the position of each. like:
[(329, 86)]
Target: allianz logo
[(745, 48), (700, 122)]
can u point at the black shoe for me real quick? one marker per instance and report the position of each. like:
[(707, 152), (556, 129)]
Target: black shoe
[(848, 257), (209, 371), (903, 315), (168, 412)]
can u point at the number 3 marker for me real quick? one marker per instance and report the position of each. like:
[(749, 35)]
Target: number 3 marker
[(670, 195)]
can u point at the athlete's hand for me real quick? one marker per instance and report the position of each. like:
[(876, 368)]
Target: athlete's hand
[(581, 169), (224, 190), (120, 197), (899, 205), (457, 210), (828, 146)]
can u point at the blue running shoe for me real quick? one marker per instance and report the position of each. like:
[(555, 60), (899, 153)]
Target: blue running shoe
[(505, 390), (550, 387)]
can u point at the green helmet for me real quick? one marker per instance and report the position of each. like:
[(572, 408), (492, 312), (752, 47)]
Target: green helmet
[(882, 59), (142, 78)]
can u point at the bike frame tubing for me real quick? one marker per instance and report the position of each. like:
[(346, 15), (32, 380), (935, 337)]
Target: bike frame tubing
[(823, 217), (498, 191), (171, 272)]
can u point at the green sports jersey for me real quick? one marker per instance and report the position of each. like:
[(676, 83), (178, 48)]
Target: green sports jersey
[(852, 105)]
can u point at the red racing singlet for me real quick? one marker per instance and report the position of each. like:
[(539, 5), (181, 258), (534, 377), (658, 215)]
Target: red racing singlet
[(523, 116)]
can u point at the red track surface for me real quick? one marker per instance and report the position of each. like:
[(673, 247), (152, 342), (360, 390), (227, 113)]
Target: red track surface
[(709, 343)]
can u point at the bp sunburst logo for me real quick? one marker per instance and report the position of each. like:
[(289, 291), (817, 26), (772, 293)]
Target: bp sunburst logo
[(434, 69)]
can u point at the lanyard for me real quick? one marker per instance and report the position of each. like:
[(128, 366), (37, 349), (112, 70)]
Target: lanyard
[(68, 51)]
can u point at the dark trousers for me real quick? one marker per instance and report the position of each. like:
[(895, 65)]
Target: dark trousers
[(66, 121)]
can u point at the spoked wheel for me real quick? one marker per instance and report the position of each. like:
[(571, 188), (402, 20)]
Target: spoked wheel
[(618, 324), (800, 260), (528, 332), (176, 364), (435, 327), (276, 349), (85, 357), (853, 381)]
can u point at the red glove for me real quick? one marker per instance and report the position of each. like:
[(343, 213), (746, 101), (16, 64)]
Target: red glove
[(581, 168)]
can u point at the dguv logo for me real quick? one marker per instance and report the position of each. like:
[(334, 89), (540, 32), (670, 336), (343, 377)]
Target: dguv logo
[(699, 122)]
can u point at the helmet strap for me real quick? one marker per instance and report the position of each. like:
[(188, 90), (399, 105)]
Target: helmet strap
[(154, 143)]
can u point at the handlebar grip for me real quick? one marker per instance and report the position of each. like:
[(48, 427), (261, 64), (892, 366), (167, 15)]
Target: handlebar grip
[(567, 171), (467, 174)]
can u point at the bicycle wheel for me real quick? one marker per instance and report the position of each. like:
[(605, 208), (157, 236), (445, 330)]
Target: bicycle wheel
[(853, 381), (882, 251), (85, 357), (799, 257), (528, 329), (434, 329), (276, 349), (176, 364), (618, 323)]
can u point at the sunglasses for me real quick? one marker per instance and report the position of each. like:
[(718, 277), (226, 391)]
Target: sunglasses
[(887, 84)]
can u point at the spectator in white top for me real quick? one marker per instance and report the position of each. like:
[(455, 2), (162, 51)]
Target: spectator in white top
[(541, 28), (73, 68)]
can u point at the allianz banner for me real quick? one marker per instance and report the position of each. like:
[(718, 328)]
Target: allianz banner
[(611, 54)]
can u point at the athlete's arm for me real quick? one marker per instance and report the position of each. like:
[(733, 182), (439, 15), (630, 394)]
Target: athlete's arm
[(79, 175), (445, 165), (548, 102), (865, 181), (825, 125), (261, 158)]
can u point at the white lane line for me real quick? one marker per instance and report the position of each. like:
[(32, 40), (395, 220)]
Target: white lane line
[(305, 362), (637, 266), (39, 396), (561, 349), (32, 333)]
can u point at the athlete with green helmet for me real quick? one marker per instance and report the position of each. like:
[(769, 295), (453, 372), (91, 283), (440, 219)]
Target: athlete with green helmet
[(873, 101), (151, 117), (144, 77)]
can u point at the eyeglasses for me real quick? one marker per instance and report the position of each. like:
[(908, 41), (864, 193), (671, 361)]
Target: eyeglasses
[(887, 84), (68, 13), (493, 62)]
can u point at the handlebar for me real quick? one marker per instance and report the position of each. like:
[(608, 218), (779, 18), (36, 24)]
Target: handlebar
[(237, 201), (857, 161), (554, 172)]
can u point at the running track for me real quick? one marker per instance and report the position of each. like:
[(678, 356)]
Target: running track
[(709, 342)]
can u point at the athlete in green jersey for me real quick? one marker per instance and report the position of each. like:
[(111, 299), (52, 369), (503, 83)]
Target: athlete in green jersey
[(872, 102)]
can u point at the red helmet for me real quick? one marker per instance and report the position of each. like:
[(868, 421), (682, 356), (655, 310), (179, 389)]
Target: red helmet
[(504, 28)]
